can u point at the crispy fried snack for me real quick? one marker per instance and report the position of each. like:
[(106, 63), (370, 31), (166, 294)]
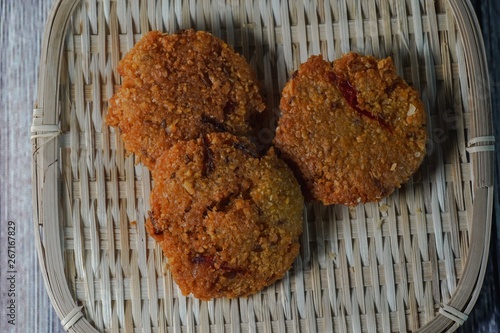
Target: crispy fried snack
[(353, 130), (227, 219), (179, 86)]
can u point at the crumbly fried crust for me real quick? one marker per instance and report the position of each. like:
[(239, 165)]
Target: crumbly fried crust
[(179, 86), (227, 219), (352, 129)]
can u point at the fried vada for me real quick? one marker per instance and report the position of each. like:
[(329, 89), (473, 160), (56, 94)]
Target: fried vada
[(227, 219), (178, 87), (352, 129)]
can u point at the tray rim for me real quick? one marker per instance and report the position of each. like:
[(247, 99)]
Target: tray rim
[(45, 178)]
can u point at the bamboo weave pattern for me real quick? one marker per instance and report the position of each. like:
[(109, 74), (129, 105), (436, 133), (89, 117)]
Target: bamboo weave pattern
[(379, 267)]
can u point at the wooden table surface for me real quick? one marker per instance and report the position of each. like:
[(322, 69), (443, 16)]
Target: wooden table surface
[(21, 30)]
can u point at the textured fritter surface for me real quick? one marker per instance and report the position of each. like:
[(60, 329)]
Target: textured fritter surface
[(352, 129), (227, 219), (179, 86)]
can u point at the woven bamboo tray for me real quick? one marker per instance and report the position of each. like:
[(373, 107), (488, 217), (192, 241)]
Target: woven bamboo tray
[(413, 262)]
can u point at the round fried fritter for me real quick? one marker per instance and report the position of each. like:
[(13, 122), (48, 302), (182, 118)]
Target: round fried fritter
[(353, 130), (227, 220), (179, 86)]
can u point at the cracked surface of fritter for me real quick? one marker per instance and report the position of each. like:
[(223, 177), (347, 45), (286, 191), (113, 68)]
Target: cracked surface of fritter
[(178, 87), (227, 219), (352, 129)]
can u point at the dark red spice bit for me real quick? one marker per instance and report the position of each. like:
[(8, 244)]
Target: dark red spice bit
[(219, 206), (257, 248), (229, 107), (244, 148), (218, 126), (144, 152), (351, 96), (201, 259), (346, 89), (281, 222), (188, 159), (217, 49), (208, 158), (223, 204), (227, 70), (390, 89), (275, 240), (231, 272), (156, 229), (379, 184), (182, 32), (259, 211), (206, 80), (245, 192)]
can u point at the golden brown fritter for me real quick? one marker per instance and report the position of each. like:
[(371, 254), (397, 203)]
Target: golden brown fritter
[(352, 129), (179, 86), (227, 219)]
